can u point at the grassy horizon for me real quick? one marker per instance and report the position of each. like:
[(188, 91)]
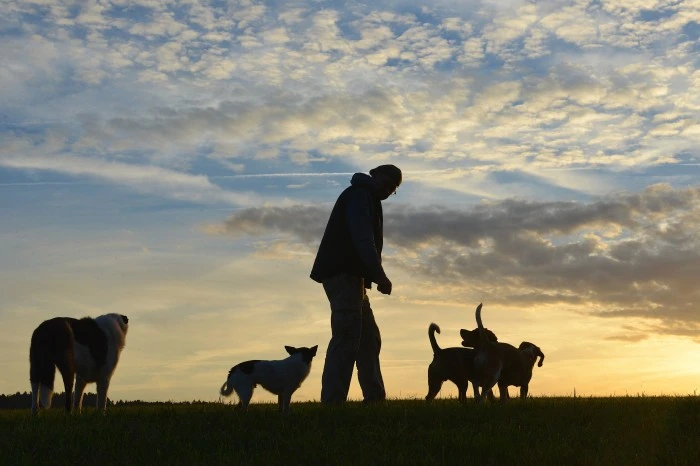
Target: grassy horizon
[(550, 430)]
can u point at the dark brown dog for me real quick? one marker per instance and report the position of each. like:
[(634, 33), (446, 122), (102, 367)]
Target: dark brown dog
[(516, 364), (488, 361), (453, 364)]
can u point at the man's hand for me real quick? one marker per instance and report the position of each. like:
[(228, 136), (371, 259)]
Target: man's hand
[(384, 286)]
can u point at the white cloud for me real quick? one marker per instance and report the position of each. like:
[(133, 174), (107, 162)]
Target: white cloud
[(144, 179)]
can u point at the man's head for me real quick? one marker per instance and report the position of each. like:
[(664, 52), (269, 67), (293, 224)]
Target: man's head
[(387, 179)]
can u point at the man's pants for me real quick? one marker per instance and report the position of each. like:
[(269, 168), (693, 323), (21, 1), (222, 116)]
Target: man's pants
[(355, 340)]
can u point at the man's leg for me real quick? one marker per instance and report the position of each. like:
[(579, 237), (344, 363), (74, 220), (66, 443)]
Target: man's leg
[(345, 296), (369, 372)]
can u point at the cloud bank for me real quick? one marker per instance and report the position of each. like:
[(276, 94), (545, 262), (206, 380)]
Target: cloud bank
[(633, 255)]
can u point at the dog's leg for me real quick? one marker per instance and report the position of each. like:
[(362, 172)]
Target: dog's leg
[(503, 392), (475, 385), (491, 396), (35, 398), (289, 402), (481, 393), (480, 388), (244, 390), (285, 399), (102, 387), (462, 389), (79, 389), (523, 391), (486, 384), (45, 396), (66, 367), (434, 383)]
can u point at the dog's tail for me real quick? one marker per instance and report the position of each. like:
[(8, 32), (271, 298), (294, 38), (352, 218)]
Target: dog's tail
[(482, 333), (42, 369), (541, 355), (226, 389), (431, 335)]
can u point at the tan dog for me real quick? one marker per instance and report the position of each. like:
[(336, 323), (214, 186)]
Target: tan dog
[(516, 363), (453, 364), (517, 367)]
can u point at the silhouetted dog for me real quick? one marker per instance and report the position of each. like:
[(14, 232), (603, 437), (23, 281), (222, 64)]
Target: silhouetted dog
[(282, 377), (84, 350), (488, 361), (453, 364), (517, 367), (516, 363)]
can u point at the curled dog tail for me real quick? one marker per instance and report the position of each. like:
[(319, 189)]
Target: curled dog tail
[(541, 355), (431, 335), (226, 389), (482, 335)]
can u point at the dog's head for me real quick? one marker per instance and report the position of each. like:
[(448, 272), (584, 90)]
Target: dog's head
[(123, 322), (471, 339), (307, 354), (114, 320), (115, 327), (533, 351)]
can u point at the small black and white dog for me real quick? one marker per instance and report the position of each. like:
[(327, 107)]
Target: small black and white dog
[(84, 351), (281, 377)]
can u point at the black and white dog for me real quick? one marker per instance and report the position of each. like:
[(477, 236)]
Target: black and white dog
[(84, 350), (281, 377)]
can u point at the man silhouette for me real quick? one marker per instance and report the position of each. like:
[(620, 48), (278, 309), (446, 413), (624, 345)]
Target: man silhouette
[(349, 259)]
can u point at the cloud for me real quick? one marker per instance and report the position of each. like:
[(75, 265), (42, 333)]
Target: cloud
[(144, 179), (304, 222), (625, 255), (168, 79)]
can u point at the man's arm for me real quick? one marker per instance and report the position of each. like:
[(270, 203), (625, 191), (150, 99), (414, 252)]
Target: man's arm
[(359, 218)]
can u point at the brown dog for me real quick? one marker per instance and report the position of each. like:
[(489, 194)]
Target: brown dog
[(516, 364), (517, 367), (453, 364)]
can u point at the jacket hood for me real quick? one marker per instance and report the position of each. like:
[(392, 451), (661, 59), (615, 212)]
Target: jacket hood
[(362, 179)]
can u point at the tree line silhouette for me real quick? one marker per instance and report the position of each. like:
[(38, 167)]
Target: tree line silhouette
[(24, 401)]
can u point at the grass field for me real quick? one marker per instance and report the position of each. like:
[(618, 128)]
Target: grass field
[(561, 431)]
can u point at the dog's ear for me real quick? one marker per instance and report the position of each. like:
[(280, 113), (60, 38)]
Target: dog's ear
[(290, 349), (125, 319), (314, 349), (470, 338), (490, 335), (533, 350)]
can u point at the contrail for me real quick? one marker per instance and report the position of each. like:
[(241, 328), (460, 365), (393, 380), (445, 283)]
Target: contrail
[(42, 183), (280, 175), (309, 174)]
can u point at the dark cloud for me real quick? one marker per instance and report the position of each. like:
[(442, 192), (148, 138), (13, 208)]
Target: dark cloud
[(626, 255), (305, 222)]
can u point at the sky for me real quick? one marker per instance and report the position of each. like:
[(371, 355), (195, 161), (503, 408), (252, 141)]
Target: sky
[(176, 162)]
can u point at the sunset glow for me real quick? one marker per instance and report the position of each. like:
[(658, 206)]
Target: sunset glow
[(177, 162)]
